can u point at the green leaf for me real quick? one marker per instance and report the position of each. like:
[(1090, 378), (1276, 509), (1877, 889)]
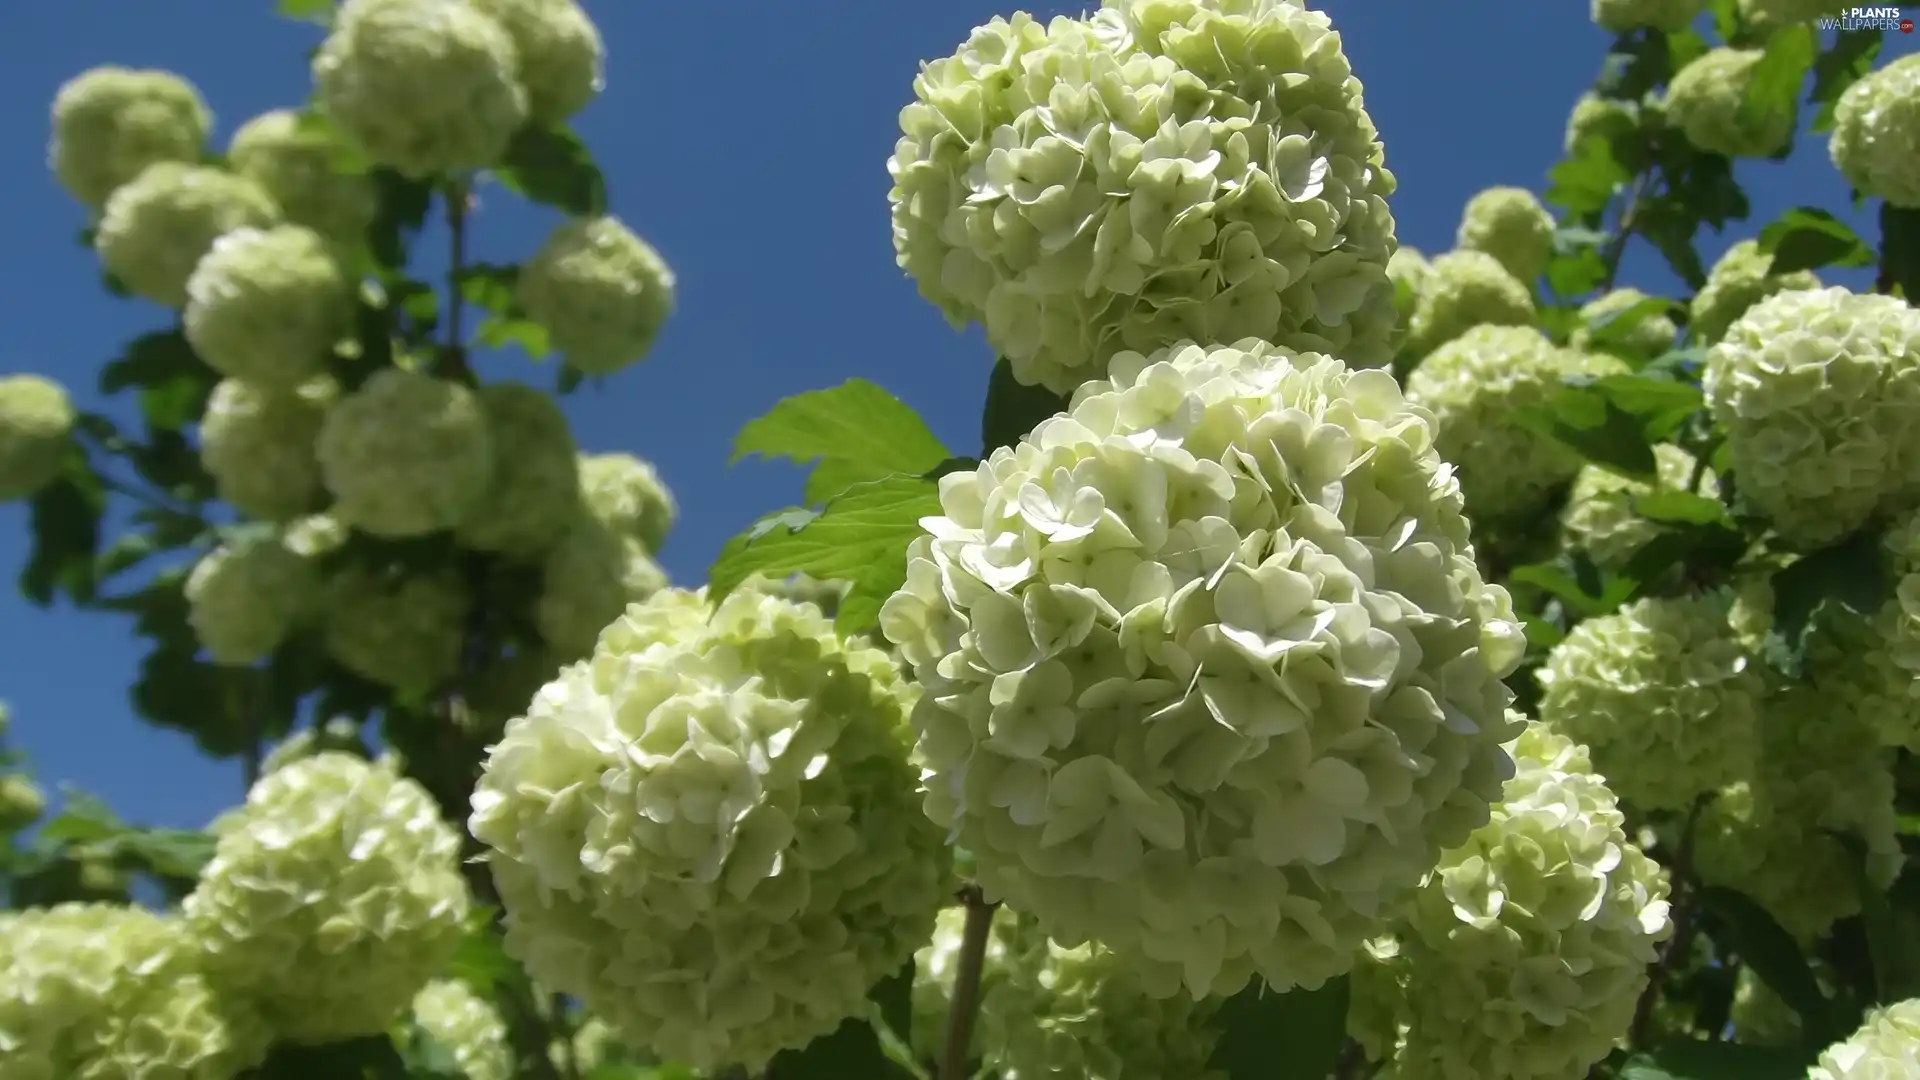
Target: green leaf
[(1893, 934), (1900, 249), (211, 702), (1659, 403), (553, 167), (1637, 63), (1586, 419), (1773, 88), (1726, 20), (1310, 1026), (403, 205), (313, 11), (1851, 573), (1590, 597), (894, 998), (1576, 271), (1849, 58), (1682, 507), (1770, 951), (491, 287), (1013, 409), (859, 537), (1808, 238), (374, 1057), (1669, 224), (856, 431), (1612, 331), (482, 961), (1583, 183), (65, 523), (1693, 1059), (853, 1050), (174, 382)]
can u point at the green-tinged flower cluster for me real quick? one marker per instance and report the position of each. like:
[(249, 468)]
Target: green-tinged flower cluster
[(1523, 955), (601, 292), (1160, 170), (1742, 278), (533, 496), (1650, 334), (1050, 1011), (1819, 394), (156, 227), (332, 898), (258, 445), (1765, 16), (1473, 385), (422, 86), (1625, 16), (468, 1026), (268, 305), (722, 798), (823, 593), (1876, 133), (1887, 1047), (339, 735), (1817, 773), (36, 425), (586, 581), (298, 162), (21, 803), (1594, 116), (109, 992), (1408, 270), (1664, 694), (1599, 519), (1210, 673), (628, 495), (1706, 102), (111, 122), (1462, 290), (561, 60), (1899, 620), (404, 631), (405, 455), (1509, 224), (247, 595)]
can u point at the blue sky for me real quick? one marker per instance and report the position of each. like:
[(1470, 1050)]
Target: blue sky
[(748, 141)]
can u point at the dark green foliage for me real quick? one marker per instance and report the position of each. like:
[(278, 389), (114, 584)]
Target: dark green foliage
[(553, 167)]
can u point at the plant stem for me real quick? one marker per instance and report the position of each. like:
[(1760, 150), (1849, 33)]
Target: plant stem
[(1683, 926), (1623, 230), (453, 353), (966, 984)]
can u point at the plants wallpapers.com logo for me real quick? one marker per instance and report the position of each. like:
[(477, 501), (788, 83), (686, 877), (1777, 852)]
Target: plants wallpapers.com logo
[(1885, 19)]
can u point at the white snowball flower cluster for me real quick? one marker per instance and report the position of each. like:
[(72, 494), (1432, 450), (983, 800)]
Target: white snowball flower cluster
[(1819, 394), (1160, 170), (1524, 954), (406, 454), (468, 1026), (297, 164), (36, 425), (156, 227), (601, 292), (1473, 384), (1408, 270), (111, 992), (1210, 672), (1740, 279), (561, 58), (1049, 1011), (110, 123), (1594, 116), (1876, 133), (21, 803), (1623, 16), (268, 305), (1649, 336), (534, 492), (1663, 693), (259, 446), (246, 596), (722, 798), (628, 495), (423, 86), (1817, 772), (586, 581), (332, 898), (1705, 102), (1465, 289), (1900, 619), (402, 631), (1599, 518), (1886, 1047), (1510, 224)]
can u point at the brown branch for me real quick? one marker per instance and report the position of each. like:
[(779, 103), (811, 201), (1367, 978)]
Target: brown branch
[(966, 984)]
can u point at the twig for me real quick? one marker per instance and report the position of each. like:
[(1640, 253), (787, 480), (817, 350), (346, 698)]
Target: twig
[(1623, 229), (1683, 926), (453, 353), (966, 984)]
